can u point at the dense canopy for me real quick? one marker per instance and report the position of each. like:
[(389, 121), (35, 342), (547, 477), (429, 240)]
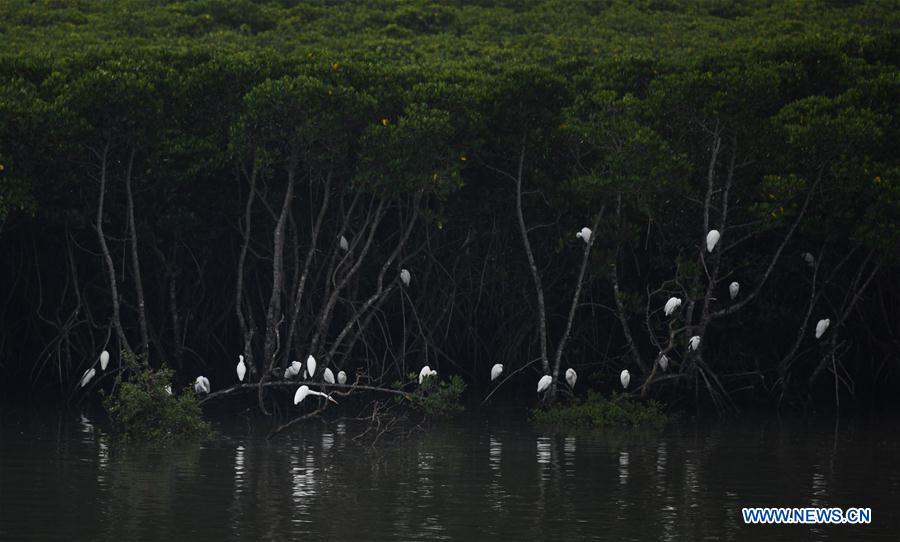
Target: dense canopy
[(175, 178)]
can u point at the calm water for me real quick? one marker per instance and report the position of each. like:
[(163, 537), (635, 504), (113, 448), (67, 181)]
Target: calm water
[(63, 478)]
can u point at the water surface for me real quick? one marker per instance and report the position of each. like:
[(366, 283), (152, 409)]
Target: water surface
[(63, 478)]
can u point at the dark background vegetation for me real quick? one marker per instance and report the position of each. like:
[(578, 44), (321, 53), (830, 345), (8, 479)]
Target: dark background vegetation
[(233, 143)]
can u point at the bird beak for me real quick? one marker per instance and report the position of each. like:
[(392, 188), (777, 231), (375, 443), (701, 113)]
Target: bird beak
[(332, 400)]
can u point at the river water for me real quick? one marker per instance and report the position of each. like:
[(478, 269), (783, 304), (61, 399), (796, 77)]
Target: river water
[(63, 478)]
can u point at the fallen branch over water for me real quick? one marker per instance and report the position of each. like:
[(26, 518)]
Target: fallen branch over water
[(297, 383)]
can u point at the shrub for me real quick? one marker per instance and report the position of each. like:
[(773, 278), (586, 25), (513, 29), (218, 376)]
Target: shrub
[(596, 411), (142, 407), (437, 398)]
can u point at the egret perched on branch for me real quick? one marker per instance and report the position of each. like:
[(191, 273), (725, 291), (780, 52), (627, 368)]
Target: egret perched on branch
[(822, 327), (625, 378), (311, 366), (809, 259), (241, 368), (571, 377), (304, 390), (711, 239), (328, 376), (585, 235), (295, 367), (169, 389), (733, 289), (544, 383), (425, 372), (663, 361), (345, 245), (342, 377), (201, 385), (405, 277), (104, 360), (694, 343), (496, 371), (672, 304), (87, 376)]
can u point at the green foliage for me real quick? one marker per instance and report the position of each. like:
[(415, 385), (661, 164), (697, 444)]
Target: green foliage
[(597, 411), (439, 399), (141, 407)]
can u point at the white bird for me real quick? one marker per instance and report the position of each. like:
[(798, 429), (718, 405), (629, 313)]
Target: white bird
[(694, 342), (672, 304), (311, 366), (496, 371), (104, 360), (625, 378), (304, 390), (294, 368), (169, 389), (733, 289), (426, 371), (241, 368), (342, 377), (822, 327), (201, 385), (344, 244), (809, 259), (711, 239), (663, 361), (544, 383), (571, 377), (328, 376), (287, 373), (405, 277), (87, 376), (585, 235)]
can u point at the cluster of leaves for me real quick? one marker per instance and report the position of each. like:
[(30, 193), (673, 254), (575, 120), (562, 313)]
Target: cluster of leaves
[(438, 399), (142, 406), (597, 411)]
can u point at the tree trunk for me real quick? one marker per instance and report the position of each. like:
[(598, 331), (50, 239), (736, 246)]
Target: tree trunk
[(135, 264)]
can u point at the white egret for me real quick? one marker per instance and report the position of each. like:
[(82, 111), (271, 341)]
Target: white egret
[(87, 376), (169, 389), (625, 378), (711, 239), (201, 385), (694, 343), (733, 289), (287, 373), (544, 383), (425, 372), (345, 245), (241, 368), (295, 367), (104, 360), (342, 377), (328, 376), (663, 361), (571, 377), (672, 304), (496, 371), (405, 277), (585, 235), (809, 259), (822, 327), (304, 390), (311, 366)]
